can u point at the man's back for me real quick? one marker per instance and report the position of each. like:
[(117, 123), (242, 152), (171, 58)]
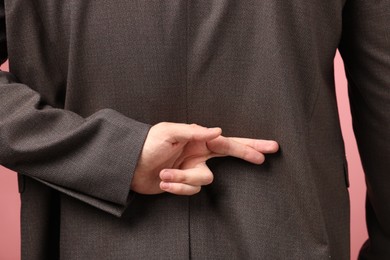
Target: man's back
[(257, 69)]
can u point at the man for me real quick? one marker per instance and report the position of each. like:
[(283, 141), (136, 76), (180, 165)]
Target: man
[(102, 174)]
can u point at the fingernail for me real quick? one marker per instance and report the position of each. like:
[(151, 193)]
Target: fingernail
[(166, 175), (164, 185)]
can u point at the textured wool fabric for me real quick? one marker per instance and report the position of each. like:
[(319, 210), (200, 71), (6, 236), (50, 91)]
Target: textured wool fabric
[(88, 79)]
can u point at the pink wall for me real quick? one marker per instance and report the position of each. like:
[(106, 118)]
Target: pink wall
[(10, 204), (357, 188)]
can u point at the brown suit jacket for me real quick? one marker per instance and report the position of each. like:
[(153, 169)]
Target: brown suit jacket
[(88, 78)]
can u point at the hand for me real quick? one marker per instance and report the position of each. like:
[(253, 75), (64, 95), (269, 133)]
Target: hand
[(174, 157)]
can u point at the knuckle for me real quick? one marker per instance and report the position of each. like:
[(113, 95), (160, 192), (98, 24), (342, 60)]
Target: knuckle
[(181, 189), (194, 126), (162, 124), (180, 177), (176, 188), (173, 189)]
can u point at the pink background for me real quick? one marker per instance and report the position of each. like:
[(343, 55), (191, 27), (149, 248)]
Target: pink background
[(10, 204)]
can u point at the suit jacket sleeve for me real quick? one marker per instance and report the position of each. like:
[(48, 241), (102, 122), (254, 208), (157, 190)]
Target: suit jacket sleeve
[(365, 49), (91, 159)]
